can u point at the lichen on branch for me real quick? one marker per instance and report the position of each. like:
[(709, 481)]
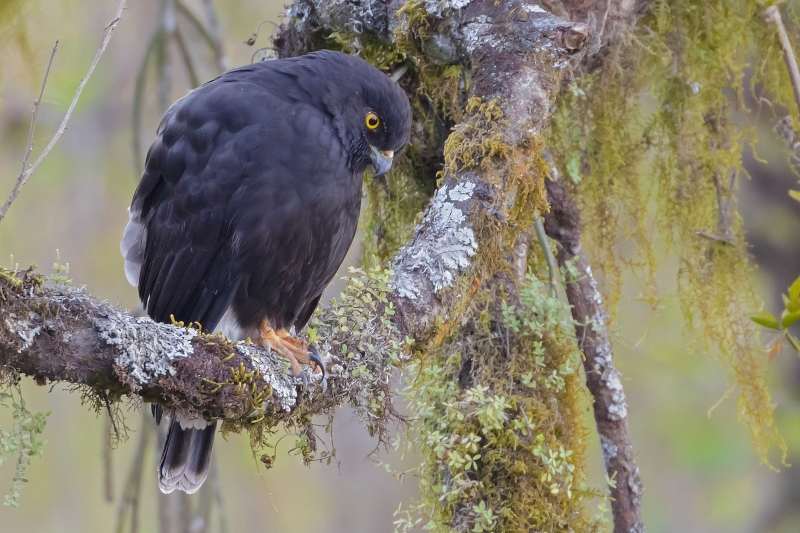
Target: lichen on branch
[(61, 334)]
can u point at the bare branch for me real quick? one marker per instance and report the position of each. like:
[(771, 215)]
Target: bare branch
[(128, 507), (773, 16), (108, 464), (562, 223), (187, 58), (107, 32), (138, 98), (211, 35), (29, 148), (23, 176)]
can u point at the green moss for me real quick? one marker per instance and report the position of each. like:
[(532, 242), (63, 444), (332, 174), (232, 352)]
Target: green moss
[(670, 173), (496, 410), (22, 440)]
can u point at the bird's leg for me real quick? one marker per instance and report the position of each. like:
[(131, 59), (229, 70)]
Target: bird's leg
[(307, 353), (297, 351), (271, 339)]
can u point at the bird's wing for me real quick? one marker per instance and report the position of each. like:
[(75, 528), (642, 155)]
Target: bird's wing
[(226, 199), (179, 244)]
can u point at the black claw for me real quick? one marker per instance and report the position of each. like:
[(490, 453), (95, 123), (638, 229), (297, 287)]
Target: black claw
[(314, 356)]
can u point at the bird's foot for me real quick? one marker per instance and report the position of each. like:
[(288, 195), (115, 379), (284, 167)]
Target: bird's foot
[(297, 351)]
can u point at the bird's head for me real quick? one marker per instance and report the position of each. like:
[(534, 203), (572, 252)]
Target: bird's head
[(385, 121), (371, 112)]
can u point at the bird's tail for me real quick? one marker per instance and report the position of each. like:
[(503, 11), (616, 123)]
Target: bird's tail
[(186, 456)]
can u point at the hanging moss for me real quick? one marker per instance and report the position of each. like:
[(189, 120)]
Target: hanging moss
[(671, 173)]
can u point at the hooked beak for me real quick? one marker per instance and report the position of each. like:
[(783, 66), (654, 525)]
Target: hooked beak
[(381, 160)]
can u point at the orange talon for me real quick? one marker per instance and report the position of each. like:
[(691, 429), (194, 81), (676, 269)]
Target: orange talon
[(293, 349)]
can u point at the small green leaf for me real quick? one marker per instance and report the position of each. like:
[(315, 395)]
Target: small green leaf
[(794, 290), (790, 318), (795, 195), (766, 319)]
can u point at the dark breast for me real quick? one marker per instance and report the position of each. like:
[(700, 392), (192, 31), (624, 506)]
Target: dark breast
[(292, 234), (247, 203)]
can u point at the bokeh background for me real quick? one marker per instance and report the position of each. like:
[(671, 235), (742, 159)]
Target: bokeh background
[(699, 471)]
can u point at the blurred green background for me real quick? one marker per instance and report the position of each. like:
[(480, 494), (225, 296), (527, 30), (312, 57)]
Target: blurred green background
[(700, 472)]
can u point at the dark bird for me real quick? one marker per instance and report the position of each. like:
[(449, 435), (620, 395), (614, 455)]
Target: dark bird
[(247, 205)]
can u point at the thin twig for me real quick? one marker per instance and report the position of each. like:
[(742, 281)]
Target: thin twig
[(138, 99), (168, 23), (220, 501), (211, 35), (215, 29), (23, 177), (111, 416), (36, 103), (773, 16), (187, 59), (544, 244), (128, 508), (713, 237), (108, 465)]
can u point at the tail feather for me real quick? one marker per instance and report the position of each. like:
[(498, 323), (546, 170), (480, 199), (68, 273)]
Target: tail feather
[(186, 457), (200, 455)]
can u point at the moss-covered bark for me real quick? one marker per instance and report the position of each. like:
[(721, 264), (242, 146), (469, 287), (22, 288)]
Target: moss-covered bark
[(493, 384)]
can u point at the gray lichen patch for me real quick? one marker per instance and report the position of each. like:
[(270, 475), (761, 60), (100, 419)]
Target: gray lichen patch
[(443, 244), (24, 328), (353, 15), (609, 448), (609, 375), (479, 32), (437, 7), (147, 352)]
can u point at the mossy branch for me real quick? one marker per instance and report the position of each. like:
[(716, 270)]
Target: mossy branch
[(61, 334), (562, 224)]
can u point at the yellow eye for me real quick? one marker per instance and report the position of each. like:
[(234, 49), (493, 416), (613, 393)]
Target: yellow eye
[(372, 120)]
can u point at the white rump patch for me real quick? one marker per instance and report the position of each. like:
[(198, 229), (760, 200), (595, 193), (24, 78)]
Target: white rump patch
[(191, 423), (231, 328)]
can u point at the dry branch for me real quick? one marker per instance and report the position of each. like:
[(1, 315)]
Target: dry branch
[(25, 174), (773, 16)]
